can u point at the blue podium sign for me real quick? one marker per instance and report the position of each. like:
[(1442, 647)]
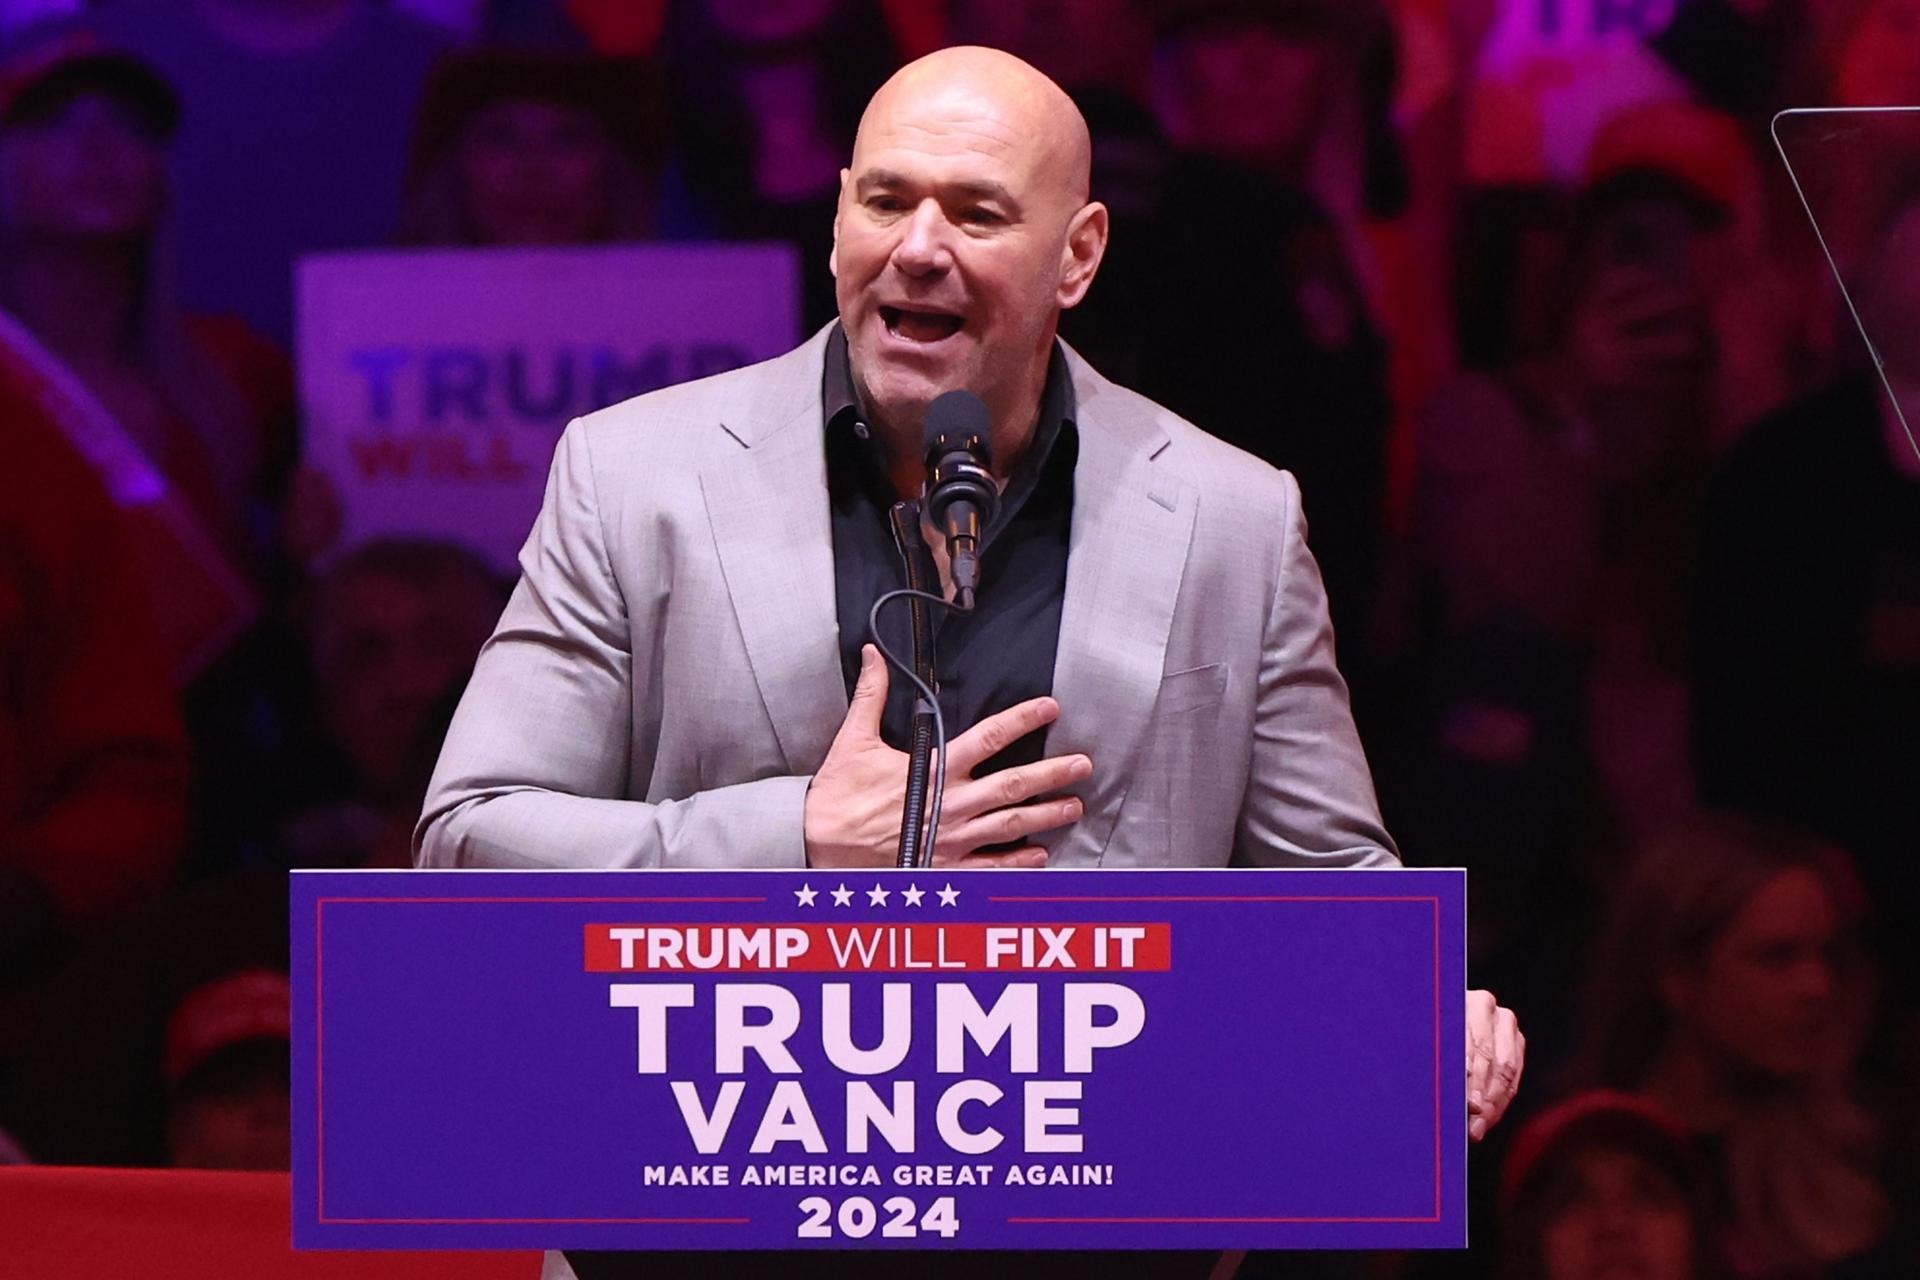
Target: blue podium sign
[(881, 1060)]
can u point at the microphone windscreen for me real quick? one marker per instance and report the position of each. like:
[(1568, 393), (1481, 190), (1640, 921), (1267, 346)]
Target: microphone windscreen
[(955, 416)]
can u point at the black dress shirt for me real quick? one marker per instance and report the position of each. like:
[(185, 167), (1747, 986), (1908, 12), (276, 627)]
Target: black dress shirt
[(1002, 652)]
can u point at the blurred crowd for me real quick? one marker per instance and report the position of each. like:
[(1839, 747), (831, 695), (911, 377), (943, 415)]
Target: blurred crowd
[(1620, 523)]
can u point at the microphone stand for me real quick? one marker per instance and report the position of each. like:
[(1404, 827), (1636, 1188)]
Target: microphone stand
[(913, 852)]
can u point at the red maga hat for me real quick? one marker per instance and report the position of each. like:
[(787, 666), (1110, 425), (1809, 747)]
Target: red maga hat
[(254, 1004), (1596, 1117), (48, 63)]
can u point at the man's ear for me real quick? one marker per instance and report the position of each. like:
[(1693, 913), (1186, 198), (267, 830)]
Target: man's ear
[(833, 254), (1080, 258)]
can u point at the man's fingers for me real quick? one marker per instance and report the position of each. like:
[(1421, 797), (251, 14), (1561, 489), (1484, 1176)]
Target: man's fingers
[(1017, 823), (1508, 1050), (1027, 858), (1480, 1011), (869, 701), (1496, 1056), (996, 733), (1013, 786)]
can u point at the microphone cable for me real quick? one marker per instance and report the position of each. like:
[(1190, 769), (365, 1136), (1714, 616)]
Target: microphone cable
[(915, 803)]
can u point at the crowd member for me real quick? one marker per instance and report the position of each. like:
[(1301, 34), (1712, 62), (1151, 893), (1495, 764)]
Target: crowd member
[(83, 184), (516, 148), (1605, 1184), (1552, 90), (523, 148), (112, 1073), (393, 630), (1543, 583), (1806, 630), (204, 402), (1548, 563), (93, 758), (1731, 990), (765, 100), (228, 1091), (293, 135), (1291, 365)]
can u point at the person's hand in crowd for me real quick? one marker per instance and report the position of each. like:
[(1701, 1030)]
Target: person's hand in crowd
[(1496, 1056), (1635, 331), (854, 802)]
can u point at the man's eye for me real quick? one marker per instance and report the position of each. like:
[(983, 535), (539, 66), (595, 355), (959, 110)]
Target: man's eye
[(886, 204), (980, 217)]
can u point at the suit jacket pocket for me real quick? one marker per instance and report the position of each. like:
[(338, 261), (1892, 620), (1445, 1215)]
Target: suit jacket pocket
[(1191, 690)]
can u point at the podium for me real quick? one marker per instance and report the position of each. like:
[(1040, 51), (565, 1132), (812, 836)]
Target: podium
[(882, 1060)]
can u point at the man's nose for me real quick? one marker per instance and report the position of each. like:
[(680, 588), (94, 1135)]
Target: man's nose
[(922, 249)]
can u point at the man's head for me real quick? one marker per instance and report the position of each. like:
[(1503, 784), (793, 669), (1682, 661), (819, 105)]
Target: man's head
[(1251, 82), (1605, 1184), (964, 229), (227, 1075), (83, 135), (395, 629)]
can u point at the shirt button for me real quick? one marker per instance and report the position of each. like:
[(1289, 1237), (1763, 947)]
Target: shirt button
[(860, 429)]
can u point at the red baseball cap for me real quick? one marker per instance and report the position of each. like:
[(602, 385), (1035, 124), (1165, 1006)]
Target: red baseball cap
[(1596, 1117), (254, 1004), (57, 59), (1702, 149)]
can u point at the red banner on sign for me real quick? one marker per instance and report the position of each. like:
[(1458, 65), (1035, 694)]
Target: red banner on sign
[(877, 948)]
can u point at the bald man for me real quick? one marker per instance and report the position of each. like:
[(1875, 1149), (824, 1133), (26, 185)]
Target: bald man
[(1148, 679), (681, 677)]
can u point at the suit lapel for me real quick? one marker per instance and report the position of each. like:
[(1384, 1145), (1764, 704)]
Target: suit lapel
[(1132, 521), (767, 503)]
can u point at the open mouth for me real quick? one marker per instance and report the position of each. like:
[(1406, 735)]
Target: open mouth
[(920, 326)]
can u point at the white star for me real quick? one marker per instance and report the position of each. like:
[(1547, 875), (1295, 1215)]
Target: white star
[(842, 896), (912, 895), (949, 896), (877, 896), (806, 893)]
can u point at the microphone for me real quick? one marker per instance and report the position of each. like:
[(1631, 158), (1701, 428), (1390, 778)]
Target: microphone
[(961, 496)]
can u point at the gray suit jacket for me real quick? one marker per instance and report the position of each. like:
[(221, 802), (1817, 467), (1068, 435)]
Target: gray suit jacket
[(666, 677)]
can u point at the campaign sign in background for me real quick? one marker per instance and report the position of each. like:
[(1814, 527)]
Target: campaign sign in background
[(435, 382), (1180, 1059)]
